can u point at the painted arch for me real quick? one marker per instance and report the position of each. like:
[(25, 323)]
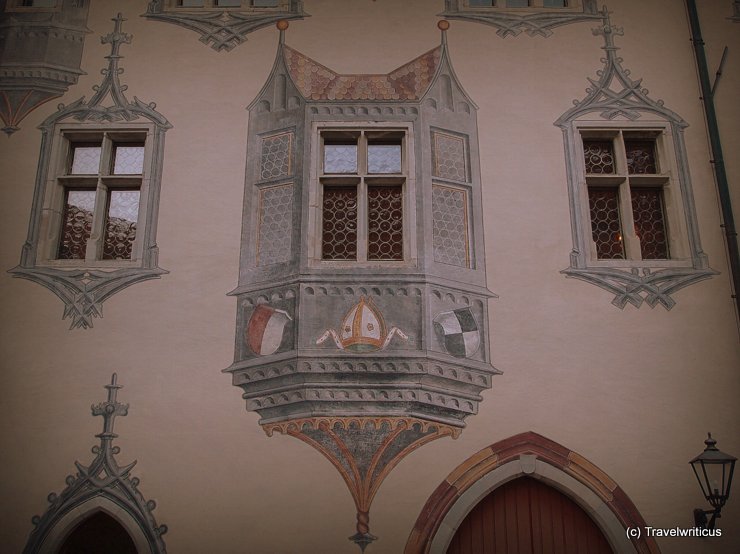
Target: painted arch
[(528, 454)]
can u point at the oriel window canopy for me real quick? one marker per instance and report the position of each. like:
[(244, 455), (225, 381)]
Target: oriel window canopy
[(713, 469)]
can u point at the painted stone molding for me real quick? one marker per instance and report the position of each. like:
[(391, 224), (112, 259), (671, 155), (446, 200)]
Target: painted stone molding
[(364, 450), (40, 54), (527, 451), (337, 349), (104, 479), (223, 29), (85, 286), (624, 106), (507, 23)]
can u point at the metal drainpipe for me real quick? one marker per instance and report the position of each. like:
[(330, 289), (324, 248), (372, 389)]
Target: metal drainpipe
[(707, 96)]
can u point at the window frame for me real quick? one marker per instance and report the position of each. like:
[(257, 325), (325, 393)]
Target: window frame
[(319, 180), (667, 180), (17, 6), (534, 6), (59, 180)]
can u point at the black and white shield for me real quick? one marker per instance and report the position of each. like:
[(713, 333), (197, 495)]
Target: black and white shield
[(459, 332)]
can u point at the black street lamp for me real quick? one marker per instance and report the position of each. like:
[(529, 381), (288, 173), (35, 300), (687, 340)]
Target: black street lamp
[(713, 470)]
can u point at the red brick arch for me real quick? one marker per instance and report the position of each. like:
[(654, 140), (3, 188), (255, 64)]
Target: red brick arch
[(536, 448)]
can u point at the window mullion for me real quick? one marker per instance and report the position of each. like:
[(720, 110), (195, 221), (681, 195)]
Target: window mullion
[(362, 223)]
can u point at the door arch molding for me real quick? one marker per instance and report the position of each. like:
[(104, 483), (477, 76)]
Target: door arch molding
[(63, 526), (528, 454)]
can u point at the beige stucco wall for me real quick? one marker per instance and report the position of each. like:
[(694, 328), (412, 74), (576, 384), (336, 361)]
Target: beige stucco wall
[(633, 390)]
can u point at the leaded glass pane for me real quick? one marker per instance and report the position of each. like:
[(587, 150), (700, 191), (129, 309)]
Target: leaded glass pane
[(450, 159), (339, 223), (228, 3), (385, 223), (480, 3), (640, 156), (120, 226), (647, 210), (599, 155), (384, 158), (517, 3), (79, 206), (85, 160), (555, 3), (276, 154), (606, 227), (450, 226), (265, 3), (340, 158), (129, 160)]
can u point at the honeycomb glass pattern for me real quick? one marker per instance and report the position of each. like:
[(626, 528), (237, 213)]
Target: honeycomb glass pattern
[(85, 160), (276, 225), (599, 155), (647, 210), (128, 160), (120, 224), (384, 158), (640, 157), (605, 223), (339, 223), (77, 224), (450, 226), (340, 158), (385, 223), (449, 157), (276, 154)]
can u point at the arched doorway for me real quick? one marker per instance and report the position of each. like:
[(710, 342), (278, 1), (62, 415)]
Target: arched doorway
[(532, 456), (526, 516), (98, 534)]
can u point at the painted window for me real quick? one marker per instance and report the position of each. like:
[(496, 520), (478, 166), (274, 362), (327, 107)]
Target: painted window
[(211, 4), (32, 5), (626, 179), (508, 4), (363, 195), (94, 204)]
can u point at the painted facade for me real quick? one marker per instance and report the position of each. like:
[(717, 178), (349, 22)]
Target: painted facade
[(401, 201)]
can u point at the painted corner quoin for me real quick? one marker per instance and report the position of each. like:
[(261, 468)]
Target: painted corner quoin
[(364, 356), (102, 486), (81, 284), (614, 103)]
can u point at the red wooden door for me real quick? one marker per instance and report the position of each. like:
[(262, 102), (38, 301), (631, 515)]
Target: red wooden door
[(525, 516)]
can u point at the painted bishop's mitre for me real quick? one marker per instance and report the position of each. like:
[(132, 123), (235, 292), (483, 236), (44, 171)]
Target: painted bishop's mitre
[(363, 328)]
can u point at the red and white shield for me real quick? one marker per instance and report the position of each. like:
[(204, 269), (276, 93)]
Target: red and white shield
[(265, 329)]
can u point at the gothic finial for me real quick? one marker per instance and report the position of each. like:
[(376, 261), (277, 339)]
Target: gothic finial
[(116, 38), (443, 25), (109, 410), (608, 31), (282, 25)]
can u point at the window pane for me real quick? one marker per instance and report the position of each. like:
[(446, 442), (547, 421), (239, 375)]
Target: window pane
[(605, 223), (228, 3), (647, 209), (339, 224), (385, 223), (265, 3), (340, 158), (384, 158), (517, 3), (555, 3), (79, 206), (599, 155), (120, 225), (191, 3), (128, 159), (85, 160), (40, 3), (640, 156), (479, 3)]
